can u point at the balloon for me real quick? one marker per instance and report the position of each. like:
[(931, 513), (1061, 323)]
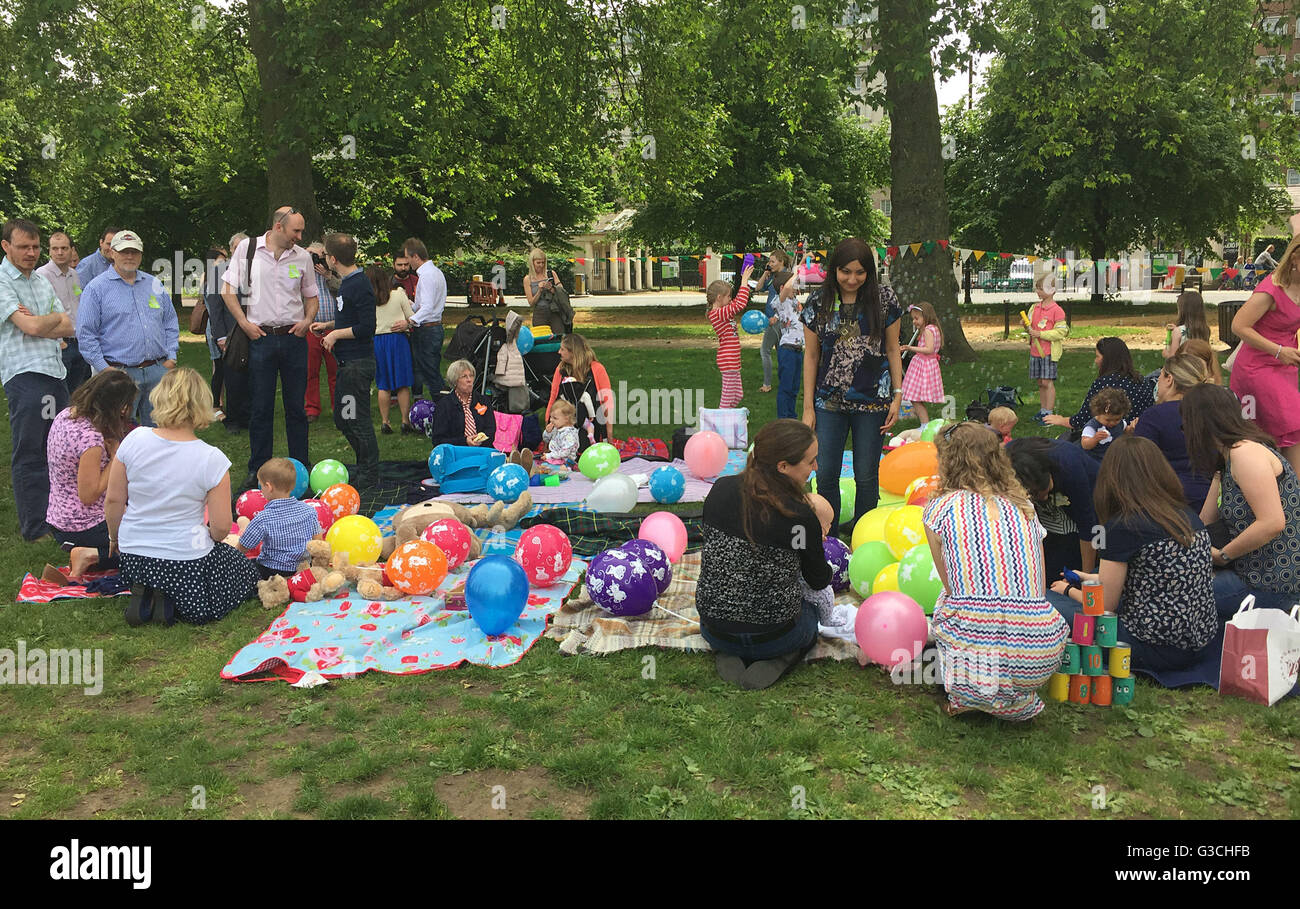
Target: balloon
[(525, 340), (848, 497), (890, 628), (616, 492), (753, 322), (871, 526), (918, 577), (931, 429), (438, 461), (421, 415), (357, 537), (653, 558), (665, 530), (327, 473), (496, 592), (837, 556), (452, 537), (886, 579), (545, 554), (600, 460), (920, 490), (250, 503), (903, 465), (617, 587), (865, 563), (416, 567), (323, 513), (507, 482), (706, 454), (341, 499), (667, 484), (302, 479), (904, 529)]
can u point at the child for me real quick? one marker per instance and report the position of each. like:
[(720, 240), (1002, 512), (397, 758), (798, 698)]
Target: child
[(823, 599), (1002, 420), (561, 436), (1047, 328), (1191, 323), (284, 526), (923, 381), (1109, 408), (789, 353), (722, 316)]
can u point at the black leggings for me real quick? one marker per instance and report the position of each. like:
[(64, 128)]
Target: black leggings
[(95, 537)]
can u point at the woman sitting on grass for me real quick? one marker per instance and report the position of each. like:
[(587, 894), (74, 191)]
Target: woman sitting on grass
[(1115, 369)]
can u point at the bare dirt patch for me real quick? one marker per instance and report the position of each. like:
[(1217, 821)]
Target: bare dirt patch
[(471, 796)]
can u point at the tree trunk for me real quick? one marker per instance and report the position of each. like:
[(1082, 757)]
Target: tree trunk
[(920, 202), (288, 150)]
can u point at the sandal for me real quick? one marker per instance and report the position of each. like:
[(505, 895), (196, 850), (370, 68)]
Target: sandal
[(386, 429), (765, 388)]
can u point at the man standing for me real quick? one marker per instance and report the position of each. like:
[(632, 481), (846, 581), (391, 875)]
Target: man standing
[(426, 331), (126, 320), (282, 302), (62, 275), (32, 321), (405, 277), (94, 265), (316, 354)]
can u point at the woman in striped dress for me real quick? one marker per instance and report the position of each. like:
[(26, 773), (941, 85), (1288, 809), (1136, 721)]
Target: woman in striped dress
[(998, 638)]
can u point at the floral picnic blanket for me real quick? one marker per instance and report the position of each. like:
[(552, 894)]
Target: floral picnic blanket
[(347, 635)]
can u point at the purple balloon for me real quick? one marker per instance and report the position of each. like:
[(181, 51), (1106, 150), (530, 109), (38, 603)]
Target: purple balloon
[(837, 556), (653, 559), (616, 588), (422, 415)]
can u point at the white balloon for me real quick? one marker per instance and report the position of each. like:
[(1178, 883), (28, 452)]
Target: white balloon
[(615, 492)]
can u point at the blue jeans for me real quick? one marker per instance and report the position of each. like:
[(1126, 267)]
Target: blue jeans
[(35, 399), (790, 374), (1144, 656), (771, 340), (145, 379), (78, 369), (797, 639), (426, 358), (269, 357), (1230, 590), (832, 431)]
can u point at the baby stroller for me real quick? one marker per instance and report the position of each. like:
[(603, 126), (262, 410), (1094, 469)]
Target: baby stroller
[(479, 341)]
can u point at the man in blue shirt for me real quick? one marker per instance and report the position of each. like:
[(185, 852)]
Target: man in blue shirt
[(94, 265), (126, 320)]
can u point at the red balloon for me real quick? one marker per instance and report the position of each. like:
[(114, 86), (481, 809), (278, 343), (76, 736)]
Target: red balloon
[(323, 512), (452, 537), (544, 552), (250, 503)]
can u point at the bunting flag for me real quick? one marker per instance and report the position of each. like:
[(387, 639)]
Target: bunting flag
[(915, 248), (979, 254)]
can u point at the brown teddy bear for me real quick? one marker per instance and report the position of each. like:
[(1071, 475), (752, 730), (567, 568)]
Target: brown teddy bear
[(410, 522), (273, 592)]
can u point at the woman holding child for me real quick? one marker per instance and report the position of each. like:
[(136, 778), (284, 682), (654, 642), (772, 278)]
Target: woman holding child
[(1115, 369)]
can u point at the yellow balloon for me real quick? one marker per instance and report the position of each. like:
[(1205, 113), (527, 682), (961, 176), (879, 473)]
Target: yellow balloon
[(871, 526), (356, 535), (904, 529), (887, 579)]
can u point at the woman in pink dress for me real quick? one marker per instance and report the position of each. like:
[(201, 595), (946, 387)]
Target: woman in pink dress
[(1264, 377), (923, 383)]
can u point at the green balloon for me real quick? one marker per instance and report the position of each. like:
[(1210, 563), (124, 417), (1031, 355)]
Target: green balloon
[(890, 498), (865, 564), (918, 578), (931, 429), (600, 460), (848, 497), (326, 473)]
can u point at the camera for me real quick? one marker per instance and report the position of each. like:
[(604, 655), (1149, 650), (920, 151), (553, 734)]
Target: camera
[(318, 259)]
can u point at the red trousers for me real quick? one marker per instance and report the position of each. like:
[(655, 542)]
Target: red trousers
[(316, 353)]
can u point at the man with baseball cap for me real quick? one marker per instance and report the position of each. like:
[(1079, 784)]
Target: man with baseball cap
[(126, 320)]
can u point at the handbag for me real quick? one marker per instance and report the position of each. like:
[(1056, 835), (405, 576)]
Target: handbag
[(236, 356), (1261, 653), (199, 318)]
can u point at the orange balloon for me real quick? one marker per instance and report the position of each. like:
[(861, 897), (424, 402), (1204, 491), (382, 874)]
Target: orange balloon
[(342, 500), (416, 567), (903, 465), (920, 490)]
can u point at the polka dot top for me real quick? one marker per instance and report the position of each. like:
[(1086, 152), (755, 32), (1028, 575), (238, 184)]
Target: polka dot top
[(1274, 566)]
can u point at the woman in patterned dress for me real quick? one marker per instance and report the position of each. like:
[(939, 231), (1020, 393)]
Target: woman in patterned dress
[(998, 638), (923, 383), (1257, 494), (1115, 369)]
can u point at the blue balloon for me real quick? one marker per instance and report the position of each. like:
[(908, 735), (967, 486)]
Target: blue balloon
[(507, 482), (496, 592), (667, 484), (438, 461), (754, 322), (525, 341), (302, 479)]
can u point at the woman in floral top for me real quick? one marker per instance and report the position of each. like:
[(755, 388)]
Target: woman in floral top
[(852, 374)]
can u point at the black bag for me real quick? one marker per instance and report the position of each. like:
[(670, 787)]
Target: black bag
[(679, 442), (530, 432), (978, 411), (1004, 396), (236, 356)]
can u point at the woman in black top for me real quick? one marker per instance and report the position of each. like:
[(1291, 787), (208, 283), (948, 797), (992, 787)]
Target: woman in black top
[(760, 535), (1114, 370), (462, 411)]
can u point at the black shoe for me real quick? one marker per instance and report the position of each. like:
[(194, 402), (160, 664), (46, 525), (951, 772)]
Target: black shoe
[(730, 668), (386, 429), (765, 673), (251, 482), (168, 617), (140, 609)]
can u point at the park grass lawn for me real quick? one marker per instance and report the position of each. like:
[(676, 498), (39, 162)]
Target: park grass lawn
[(642, 734)]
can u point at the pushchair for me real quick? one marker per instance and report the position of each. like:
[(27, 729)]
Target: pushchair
[(478, 340)]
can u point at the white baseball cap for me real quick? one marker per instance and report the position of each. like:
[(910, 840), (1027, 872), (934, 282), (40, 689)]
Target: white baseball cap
[(126, 239)]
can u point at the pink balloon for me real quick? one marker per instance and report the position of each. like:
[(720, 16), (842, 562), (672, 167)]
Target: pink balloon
[(890, 628), (323, 513), (665, 530), (545, 553), (706, 454)]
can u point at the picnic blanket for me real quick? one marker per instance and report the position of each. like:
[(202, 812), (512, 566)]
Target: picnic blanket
[(346, 635), (583, 627), (34, 590), (591, 532)]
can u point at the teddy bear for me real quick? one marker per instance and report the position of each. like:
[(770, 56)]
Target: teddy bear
[(274, 591), (410, 521), (311, 585)]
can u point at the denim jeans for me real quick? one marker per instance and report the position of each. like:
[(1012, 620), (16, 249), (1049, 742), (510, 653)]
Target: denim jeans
[(771, 340), (78, 369), (790, 375), (35, 399), (145, 379), (832, 431), (426, 358), (797, 639), (1144, 656), (269, 357), (352, 417), (1230, 589)]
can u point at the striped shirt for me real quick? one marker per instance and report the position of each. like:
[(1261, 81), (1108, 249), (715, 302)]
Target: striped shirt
[(283, 528), (327, 310), (724, 326), (19, 351)]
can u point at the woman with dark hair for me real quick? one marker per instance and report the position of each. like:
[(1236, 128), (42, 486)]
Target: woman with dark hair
[(83, 439), (1163, 422), (1256, 493), (852, 371), (1059, 478), (1155, 560), (760, 537), (1114, 370)]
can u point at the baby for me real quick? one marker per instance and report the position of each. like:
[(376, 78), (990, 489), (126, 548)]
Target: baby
[(561, 436), (1109, 408), (1002, 420), (284, 526), (823, 599)]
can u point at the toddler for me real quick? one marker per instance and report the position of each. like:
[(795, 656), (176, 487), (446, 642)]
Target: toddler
[(1109, 407), (284, 526), (823, 599), (1002, 420), (722, 316), (561, 436)]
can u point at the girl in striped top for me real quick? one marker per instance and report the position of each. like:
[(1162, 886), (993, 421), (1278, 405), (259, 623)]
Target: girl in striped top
[(997, 636), (723, 311)]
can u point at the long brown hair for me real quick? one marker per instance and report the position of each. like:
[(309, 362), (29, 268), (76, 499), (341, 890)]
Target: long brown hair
[(1202, 350), (1135, 481), (1212, 424), (765, 489), (381, 282), (868, 300), (580, 357), (971, 458), (102, 399), (1191, 315)]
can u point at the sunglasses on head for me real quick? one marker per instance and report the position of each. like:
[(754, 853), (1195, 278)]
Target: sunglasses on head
[(284, 216)]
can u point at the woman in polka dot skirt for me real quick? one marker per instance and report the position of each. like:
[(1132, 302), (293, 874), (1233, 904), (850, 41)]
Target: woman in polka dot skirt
[(158, 487)]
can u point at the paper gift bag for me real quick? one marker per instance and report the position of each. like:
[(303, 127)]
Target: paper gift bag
[(732, 423), (1261, 653)]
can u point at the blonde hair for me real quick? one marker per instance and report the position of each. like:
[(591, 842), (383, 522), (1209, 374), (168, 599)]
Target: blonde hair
[(821, 507), (1202, 350), (1186, 370), (972, 458), (716, 290), (1001, 416), (278, 473), (181, 399), (580, 356), (536, 253), (564, 408), (1284, 261)]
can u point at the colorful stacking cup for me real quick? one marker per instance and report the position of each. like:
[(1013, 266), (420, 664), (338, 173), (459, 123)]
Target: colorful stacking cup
[(1084, 628), (1094, 663), (1107, 630), (1101, 691), (1094, 602), (1122, 690), (1120, 656), (1058, 687)]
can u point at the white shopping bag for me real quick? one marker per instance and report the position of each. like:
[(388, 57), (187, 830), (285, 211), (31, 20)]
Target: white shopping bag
[(1261, 653)]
